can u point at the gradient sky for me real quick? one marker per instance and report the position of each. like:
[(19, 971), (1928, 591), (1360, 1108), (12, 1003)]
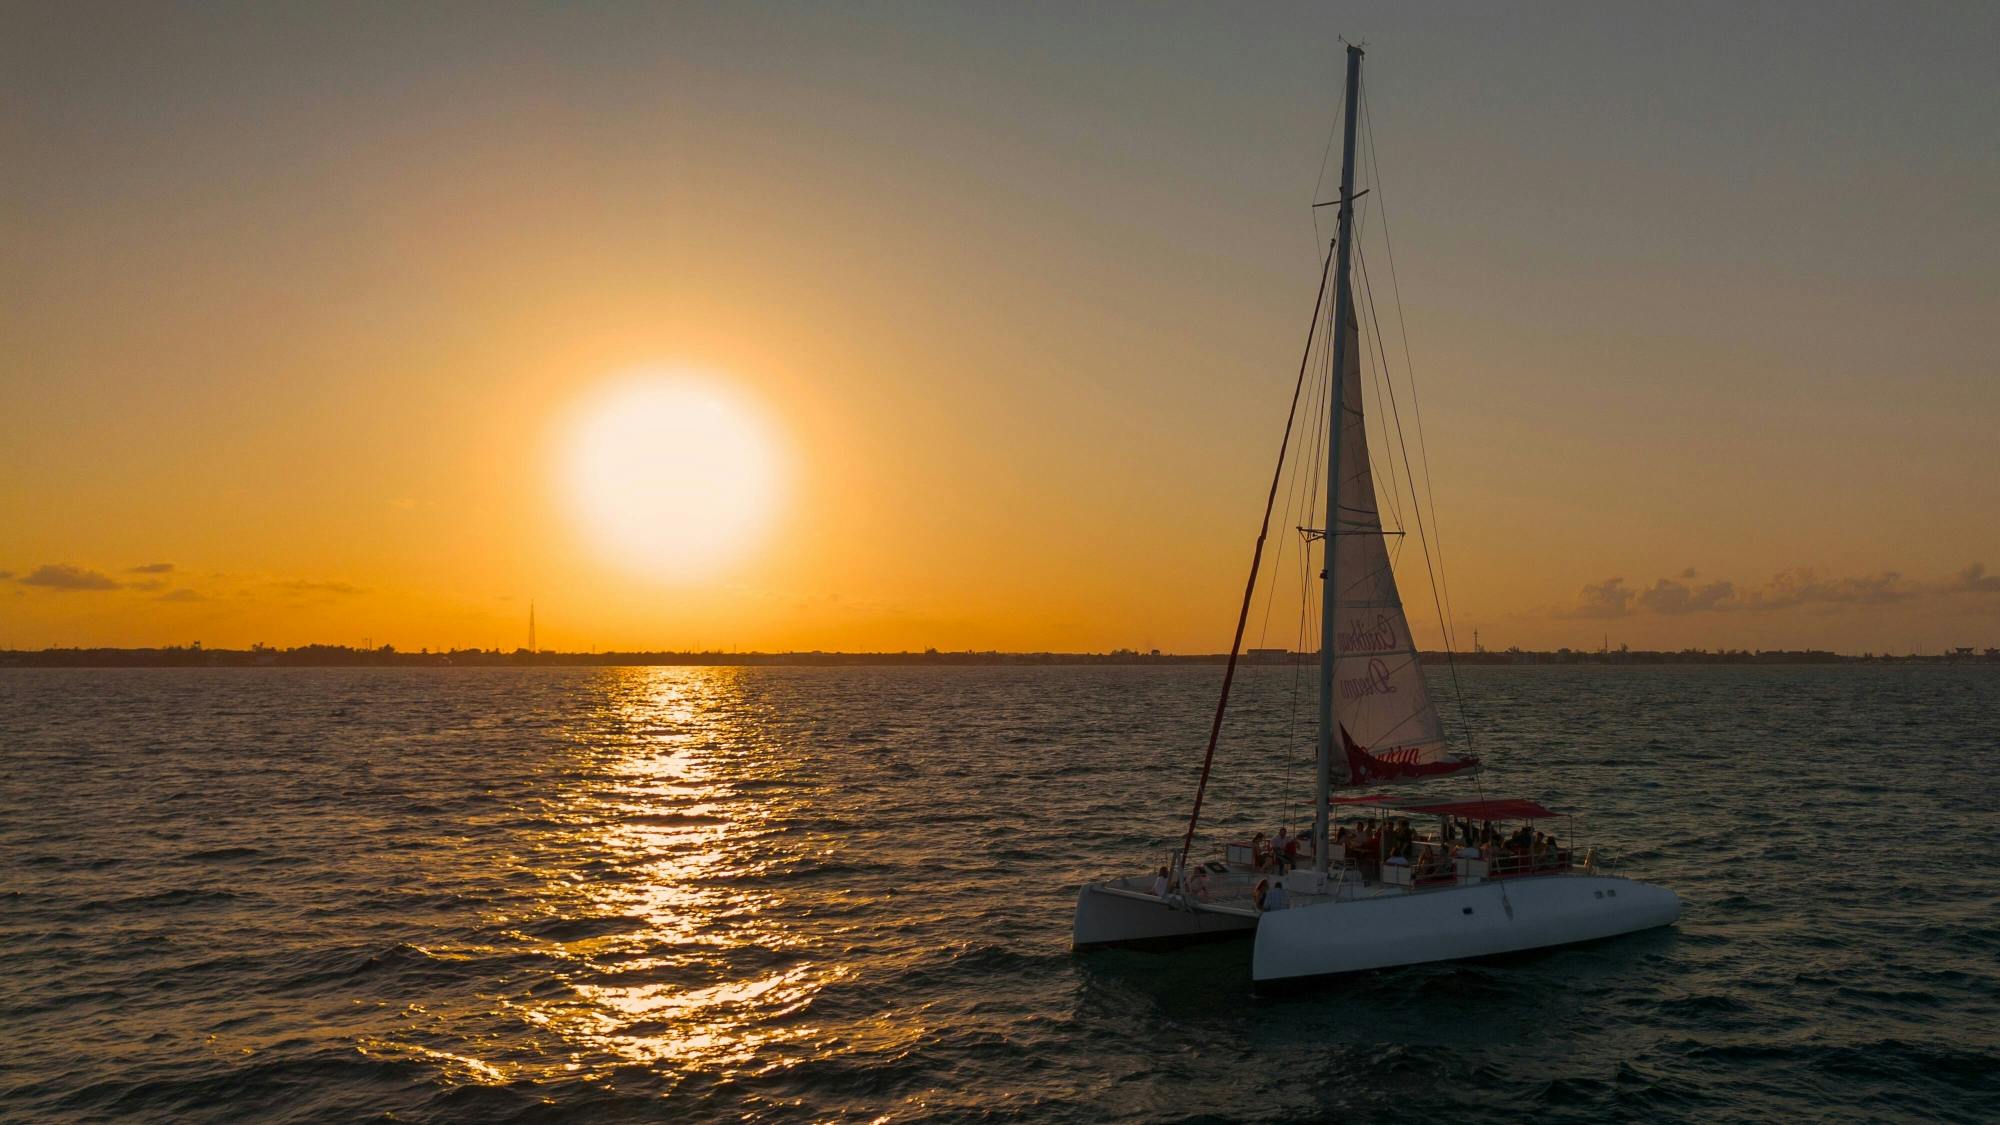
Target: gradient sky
[(1702, 302)]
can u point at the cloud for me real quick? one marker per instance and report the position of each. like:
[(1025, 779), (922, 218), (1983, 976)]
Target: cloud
[(310, 586), (65, 577), (1788, 589), (183, 595), (1671, 597), (152, 568), (1609, 598), (1804, 586), (1974, 579)]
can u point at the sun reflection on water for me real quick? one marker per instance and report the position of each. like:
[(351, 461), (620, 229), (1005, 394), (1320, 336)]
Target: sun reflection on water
[(664, 837)]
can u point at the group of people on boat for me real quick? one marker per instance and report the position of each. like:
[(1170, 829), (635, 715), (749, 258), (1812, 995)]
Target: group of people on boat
[(1373, 843), (1393, 840), (1195, 885), (1279, 853)]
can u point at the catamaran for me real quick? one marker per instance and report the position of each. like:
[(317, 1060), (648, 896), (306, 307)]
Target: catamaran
[(1407, 879)]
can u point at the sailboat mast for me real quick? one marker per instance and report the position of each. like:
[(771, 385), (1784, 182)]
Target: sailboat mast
[(1343, 339)]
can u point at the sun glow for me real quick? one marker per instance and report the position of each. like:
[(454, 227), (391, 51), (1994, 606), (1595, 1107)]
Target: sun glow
[(670, 474)]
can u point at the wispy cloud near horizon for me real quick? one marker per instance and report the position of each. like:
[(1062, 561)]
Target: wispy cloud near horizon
[(1788, 589), (153, 577), (68, 578)]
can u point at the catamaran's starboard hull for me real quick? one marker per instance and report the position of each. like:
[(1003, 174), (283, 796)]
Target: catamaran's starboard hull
[(1107, 916), (1326, 939)]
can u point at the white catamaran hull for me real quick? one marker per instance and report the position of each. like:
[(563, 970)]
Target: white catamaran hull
[(1110, 916), (1450, 924)]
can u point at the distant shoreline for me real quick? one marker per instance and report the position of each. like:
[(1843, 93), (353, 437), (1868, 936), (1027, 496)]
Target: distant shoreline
[(331, 656)]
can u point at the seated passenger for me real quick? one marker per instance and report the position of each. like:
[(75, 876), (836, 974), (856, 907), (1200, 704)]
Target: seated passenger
[(1277, 898), (1257, 896), (1197, 884), (1161, 884), (1431, 863)]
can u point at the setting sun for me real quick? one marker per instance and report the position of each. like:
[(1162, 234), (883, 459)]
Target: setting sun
[(668, 474)]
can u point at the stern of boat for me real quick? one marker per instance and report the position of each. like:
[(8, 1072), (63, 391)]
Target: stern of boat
[(1111, 914)]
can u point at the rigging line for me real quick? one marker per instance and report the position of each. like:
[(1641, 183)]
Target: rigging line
[(1315, 391), (1291, 492), (1320, 413), (1319, 181), (1423, 536), (1423, 447), (1256, 558), (1409, 363), (1294, 749), (1372, 349), (1319, 408), (1407, 719)]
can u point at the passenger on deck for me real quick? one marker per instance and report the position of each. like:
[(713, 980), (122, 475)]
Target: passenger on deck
[(1161, 885), (1260, 852), (1422, 860), (1277, 898), (1197, 884), (1257, 896), (1284, 850), (1522, 838)]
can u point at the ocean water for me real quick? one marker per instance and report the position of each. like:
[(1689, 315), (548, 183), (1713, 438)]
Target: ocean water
[(844, 894)]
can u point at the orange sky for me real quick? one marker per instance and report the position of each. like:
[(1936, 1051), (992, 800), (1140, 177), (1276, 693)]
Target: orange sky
[(294, 303)]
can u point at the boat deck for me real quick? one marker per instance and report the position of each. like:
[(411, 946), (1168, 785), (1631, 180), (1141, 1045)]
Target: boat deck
[(1224, 887)]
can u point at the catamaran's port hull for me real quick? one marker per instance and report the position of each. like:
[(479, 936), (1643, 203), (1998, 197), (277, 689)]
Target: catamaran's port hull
[(1107, 916), (1458, 923)]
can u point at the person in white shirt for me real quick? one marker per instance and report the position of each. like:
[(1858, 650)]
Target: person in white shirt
[(1160, 885), (1276, 898)]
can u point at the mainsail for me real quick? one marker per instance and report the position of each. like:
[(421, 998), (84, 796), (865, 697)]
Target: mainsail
[(1388, 724)]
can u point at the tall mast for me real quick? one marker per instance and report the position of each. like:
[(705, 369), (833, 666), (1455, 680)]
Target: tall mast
[(1343, 339)]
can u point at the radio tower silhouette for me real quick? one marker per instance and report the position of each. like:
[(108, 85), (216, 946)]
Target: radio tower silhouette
[(531, 626)]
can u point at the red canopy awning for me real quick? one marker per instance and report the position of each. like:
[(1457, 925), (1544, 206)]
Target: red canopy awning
[(1499, 808)]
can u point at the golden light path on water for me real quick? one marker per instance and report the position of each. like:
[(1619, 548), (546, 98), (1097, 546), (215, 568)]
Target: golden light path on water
[(675, 877)]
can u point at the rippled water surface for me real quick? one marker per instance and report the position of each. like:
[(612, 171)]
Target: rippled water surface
[(688, 894)]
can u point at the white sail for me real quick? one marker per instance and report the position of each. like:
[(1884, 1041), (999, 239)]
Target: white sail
[(1390, 727)]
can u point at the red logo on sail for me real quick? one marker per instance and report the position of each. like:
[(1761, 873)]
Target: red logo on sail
[(1397, 764)]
